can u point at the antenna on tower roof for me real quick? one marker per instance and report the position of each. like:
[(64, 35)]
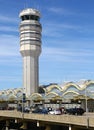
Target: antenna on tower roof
[(25, 4), (38, 7)]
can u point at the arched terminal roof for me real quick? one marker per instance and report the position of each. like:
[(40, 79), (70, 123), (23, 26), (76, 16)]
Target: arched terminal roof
[(52, 87), (71, 84), (70, 94), (36, 97), (54, 91), (88, 83)]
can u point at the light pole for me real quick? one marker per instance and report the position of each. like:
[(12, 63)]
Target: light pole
[(23, 101), (86, 108), (86, 101)]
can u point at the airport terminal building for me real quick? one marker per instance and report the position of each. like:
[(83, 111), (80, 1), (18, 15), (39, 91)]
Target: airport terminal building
[(70, 94)]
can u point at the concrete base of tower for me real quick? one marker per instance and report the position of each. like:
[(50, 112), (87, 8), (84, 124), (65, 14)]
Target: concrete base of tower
[(30, 76)]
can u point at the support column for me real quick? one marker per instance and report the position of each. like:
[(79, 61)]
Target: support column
[(70, 127), (7, 128), (7, 125), (24, 126)]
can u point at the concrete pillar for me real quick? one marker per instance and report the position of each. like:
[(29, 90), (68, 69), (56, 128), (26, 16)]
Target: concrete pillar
[(24, 126), (7, 125), (16, 120), (70, 127), (38, 124), (7, 128)]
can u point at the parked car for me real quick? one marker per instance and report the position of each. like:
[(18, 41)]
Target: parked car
[(26, 109), (40, 111), (49, 109), (75, 111), (55, 112), (19, 108), (63, 110), (23, 109), (80, 111)]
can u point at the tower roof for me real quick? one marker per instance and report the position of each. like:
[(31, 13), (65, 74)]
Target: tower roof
[(29, 11)]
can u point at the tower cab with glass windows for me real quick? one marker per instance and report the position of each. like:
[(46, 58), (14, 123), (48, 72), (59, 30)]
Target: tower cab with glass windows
[(30, 14)]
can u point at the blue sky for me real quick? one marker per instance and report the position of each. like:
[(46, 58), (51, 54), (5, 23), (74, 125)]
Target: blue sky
[(67, 41)]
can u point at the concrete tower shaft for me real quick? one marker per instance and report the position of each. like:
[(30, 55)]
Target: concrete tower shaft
[(30, 48)]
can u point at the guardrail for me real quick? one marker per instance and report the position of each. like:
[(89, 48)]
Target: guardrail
[(87, 121)]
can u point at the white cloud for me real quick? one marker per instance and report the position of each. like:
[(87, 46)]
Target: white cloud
[(68, 52), (9, 45), (11, 78), (67, 55), (8, 28), (57, 30), (8, 19), (67, 12), (67, 26), (60, 11), (14, 61)]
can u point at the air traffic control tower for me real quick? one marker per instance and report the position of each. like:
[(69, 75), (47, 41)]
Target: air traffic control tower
[(30, 48)]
